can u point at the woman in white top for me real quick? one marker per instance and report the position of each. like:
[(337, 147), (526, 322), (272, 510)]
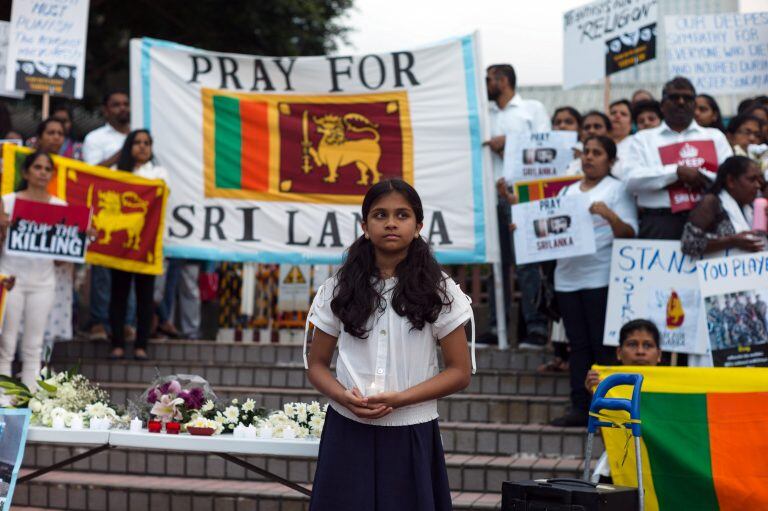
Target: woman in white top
[(387, 310), (32, 297), (135, 157), (581, 283)]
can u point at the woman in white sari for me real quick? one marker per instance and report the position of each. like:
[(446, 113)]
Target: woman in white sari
[(722, 221)]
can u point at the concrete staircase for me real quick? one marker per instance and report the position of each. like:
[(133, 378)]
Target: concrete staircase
[(492, 432)]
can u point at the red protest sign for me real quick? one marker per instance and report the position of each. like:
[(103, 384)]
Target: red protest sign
[(49, 231)]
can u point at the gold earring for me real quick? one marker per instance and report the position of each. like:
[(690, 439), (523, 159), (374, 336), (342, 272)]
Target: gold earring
[(366, 236), (416, 236)]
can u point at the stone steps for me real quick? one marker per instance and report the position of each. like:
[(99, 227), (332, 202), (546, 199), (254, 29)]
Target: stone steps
[(486, 381), (515, 409), (87, 491), (208, 352)]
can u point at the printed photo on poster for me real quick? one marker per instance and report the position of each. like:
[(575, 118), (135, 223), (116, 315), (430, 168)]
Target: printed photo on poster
[(49, 231), (653, 279), (630, 49), (553, 229), (14, 424), (735, 296), (538, 155)]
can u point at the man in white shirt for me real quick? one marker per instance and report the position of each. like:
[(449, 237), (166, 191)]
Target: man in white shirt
[(668, 167), (512, 115), (102, 147)]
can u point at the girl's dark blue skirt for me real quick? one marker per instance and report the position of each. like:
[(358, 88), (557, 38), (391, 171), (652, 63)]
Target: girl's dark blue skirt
[(380, 468)]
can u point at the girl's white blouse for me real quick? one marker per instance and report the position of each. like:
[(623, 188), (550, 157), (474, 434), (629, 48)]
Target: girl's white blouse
[(393, 357)]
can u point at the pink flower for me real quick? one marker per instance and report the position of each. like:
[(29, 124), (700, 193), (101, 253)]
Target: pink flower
[(167, 408)]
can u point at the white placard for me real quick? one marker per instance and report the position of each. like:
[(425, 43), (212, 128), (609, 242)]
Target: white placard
[(46, 48), (542, 155), (5, 29), (719, 53), (734, 291), (293, 290), (653, 279), (607, 36), (553, 228)]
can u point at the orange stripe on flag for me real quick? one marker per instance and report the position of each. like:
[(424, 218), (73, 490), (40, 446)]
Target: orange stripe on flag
[(255, 146), (738, 442), (537, 191)]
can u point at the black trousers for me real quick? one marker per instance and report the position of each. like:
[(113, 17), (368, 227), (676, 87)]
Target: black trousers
[(118, 304), (583, 315), (661, 224)]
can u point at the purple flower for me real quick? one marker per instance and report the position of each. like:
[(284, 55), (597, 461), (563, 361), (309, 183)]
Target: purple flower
[(152, 396), (164, 387), (174, 387), (196, 398)]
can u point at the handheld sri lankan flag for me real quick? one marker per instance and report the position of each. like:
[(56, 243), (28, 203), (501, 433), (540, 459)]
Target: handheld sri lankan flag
[(528, 191), (128, 211), (705, 438)]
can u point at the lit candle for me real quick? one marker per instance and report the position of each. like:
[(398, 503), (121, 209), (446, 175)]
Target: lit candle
[(289, 433), (58, 423), (136, 425), (372, 389), (76, 423), (266, 431)]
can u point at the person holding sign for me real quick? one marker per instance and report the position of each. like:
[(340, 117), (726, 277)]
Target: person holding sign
[(33, 295), (136, 156), (723, 218), (581, 283), (670, 166)]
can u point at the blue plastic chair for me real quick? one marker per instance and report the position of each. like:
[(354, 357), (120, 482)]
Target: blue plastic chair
[(632, 406)]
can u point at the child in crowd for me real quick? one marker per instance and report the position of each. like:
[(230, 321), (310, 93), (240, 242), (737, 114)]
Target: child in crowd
[(388, 309)]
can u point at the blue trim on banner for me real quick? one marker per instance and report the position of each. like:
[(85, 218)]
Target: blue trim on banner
[(470, 76), (27, 413), (147, 43)]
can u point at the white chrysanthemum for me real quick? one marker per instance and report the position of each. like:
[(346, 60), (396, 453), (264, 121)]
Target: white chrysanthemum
[(289, 410), (231, 413), (234, 401), (249, 405), (314, 408), (316, 422), (301, 416), (207, 406), (97, 410), (35, 405), (325, 407)]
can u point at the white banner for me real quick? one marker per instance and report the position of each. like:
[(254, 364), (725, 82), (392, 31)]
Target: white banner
[(719, 53), (538, 155), (653, 279), (553, 228), (734, 291), (269, 158), (5, 31), (46, 50), (607, 36)]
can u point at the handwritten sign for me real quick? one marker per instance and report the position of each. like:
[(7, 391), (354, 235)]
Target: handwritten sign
[(653, 279), (607, 36), (719, 53), (48, 231), (46, 49), (735, 291), (543, 155), (553, 228)]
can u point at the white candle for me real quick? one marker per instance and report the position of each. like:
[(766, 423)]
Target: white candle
[(136, 425), (266, 431), (238, 431), (76, 423), (95, 423), (58, 423), (105, 423), (289, 433), (250, 431)]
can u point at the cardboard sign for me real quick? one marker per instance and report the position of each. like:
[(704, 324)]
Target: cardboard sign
[(538, 155), (605, 37), (653, 279), (553, 228), (735, 291), (14, 424), (720, 53), (46, 50), (48, 231)]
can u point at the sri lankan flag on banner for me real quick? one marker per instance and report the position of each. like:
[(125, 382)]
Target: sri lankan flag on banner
[(705, 438), (320, 148), (528, 191), (127, 210)]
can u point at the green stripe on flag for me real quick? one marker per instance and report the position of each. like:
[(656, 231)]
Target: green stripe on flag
[(524, 195), (676, 433), (227, 141)]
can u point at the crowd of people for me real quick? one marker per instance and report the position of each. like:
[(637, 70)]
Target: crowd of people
[(122, 305), (667, 169)]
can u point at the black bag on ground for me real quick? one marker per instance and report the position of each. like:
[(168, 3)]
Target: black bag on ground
[(566, 495)]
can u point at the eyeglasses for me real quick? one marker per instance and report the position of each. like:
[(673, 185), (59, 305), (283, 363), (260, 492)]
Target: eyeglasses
[(688, 98)]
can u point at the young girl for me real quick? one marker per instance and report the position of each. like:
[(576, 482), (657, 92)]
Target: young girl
[(387, 309)]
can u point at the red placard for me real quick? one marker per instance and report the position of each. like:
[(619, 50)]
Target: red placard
[(48, 231), (699, 154)]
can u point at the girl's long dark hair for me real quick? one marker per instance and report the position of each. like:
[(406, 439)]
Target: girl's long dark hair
[(126, 161), (419, 294), (735, 166), (718, 123)]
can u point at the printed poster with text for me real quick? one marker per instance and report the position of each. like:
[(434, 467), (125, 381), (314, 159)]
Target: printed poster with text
[(533, 156), (735, 292), (700, 154), (553, 228), (653, 279), (48, 231)]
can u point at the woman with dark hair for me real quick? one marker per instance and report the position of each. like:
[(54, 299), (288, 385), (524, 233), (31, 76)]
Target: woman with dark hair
[(136, 157), (722, 220), (566, 118), (620, 112), (49, 136), (595, 123), (32, 298), (581, 283), (707, 112), (743, 131), (389, 309)]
